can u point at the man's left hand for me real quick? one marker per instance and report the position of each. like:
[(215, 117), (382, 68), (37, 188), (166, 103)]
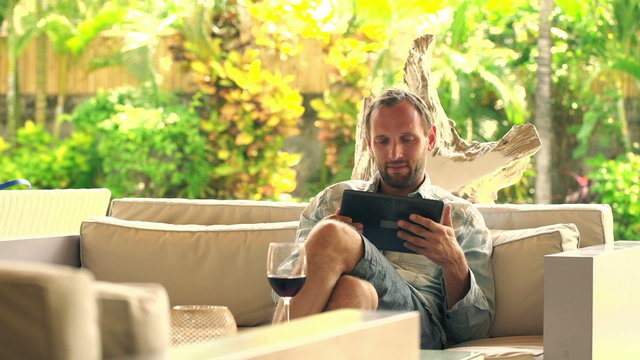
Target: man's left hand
[(431, 239), (438, 243)]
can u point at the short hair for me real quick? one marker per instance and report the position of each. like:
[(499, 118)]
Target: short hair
[(392, 97)]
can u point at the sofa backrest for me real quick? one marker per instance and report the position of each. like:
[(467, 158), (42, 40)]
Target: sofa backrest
[(205, 212), (31, 213), (594, 221)]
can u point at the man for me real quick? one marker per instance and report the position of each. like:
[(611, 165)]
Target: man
[(449, 282)]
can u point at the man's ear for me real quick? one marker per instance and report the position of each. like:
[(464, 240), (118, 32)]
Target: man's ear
[(432, 135)]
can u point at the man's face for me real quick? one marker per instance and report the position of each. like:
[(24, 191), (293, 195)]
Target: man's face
[(400, 145)]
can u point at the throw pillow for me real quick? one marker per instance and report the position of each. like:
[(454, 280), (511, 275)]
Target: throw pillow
[(518, 268)]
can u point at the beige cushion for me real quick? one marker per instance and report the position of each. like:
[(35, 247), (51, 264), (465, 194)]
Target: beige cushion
[(205, 212), (518, 267), (134, 319), (31, 213), (594, 221), (47, 312), (197, 265), (511, 348)]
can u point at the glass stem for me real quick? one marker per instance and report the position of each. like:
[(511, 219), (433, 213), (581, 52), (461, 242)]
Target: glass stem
[(287, 301)]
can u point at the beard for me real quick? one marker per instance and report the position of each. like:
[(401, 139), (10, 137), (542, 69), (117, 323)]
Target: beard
[(409, 180)]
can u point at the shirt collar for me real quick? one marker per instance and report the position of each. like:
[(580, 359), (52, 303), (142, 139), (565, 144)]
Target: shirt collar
[(424, 191)]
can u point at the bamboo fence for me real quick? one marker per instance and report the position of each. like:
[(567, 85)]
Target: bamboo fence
[(307, 69)]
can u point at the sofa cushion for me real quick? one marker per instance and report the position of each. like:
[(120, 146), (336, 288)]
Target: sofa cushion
[(47, 312), (134, 319), (204, 212), (510, 347), (197, 265), (518, 267)]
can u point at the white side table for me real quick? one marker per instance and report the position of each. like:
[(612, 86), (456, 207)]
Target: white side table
[(592, 303)]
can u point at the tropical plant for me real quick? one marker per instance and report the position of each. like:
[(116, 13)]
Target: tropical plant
[(140, 29), (617, 183), (71, 26), (247, 110)]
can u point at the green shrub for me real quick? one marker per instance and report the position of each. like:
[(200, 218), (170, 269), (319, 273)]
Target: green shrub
[(153, 153), (617, 183), (46, 164), (146, 144)]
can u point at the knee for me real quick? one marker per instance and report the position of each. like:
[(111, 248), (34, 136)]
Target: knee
[(333, 236), (353, 292)]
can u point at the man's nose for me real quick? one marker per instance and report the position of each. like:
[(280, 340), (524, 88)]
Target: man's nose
[(396, 151)]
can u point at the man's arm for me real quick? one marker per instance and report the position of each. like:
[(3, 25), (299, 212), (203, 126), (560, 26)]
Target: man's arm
[(466, 264)]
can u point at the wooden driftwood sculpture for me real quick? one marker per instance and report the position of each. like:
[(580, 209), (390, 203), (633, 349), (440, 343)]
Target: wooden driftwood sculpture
[(473, 170)]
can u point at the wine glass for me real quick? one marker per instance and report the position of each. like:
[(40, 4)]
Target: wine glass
[(286, 270)]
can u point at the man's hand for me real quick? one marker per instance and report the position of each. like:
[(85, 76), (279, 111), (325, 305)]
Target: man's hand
[(345, 219), (438, 243)]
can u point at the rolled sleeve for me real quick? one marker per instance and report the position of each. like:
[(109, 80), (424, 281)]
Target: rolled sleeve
[(472, 317), (469, 318)]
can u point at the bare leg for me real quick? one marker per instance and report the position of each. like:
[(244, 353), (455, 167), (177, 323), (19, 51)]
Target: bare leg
[(333, 249), (353, 292)]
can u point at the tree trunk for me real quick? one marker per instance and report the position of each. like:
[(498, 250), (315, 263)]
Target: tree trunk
[(543, 113), (632, 109), (13, 91), (41, 71), (62, 94)]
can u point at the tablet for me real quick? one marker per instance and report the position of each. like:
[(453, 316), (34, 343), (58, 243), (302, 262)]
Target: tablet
[(379, 214)]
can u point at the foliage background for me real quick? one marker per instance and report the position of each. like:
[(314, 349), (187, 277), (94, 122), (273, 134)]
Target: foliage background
[(228, 139)]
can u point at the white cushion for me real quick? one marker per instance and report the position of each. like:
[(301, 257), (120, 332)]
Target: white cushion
[(197, 265), (31, 213), (594, 221), (47, 312), (511, 348), (518, 267), (134, 319), (205, 212)]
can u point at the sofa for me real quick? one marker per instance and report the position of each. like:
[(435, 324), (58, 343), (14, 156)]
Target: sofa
[(214, 252)]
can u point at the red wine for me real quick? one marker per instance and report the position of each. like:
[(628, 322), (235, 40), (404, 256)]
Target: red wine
[(287, 286)]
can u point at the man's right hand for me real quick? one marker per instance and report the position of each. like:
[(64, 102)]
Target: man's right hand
[(345, 219)]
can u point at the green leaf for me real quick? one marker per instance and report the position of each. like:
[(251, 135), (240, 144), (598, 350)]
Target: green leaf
[(372, 12), (572, 8), (628, 66), (224, 170), (459, 26)]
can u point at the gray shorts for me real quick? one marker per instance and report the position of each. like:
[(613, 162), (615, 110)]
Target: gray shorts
[(394, 293)]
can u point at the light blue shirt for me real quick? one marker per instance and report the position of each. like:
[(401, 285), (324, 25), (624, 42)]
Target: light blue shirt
[(470, 318)]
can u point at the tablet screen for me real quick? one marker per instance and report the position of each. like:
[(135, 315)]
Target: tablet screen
[(379, 214)]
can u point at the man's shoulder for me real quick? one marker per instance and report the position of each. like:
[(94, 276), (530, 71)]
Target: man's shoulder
[(458, 204), (336, 189), (327, 200), (443, 195)]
